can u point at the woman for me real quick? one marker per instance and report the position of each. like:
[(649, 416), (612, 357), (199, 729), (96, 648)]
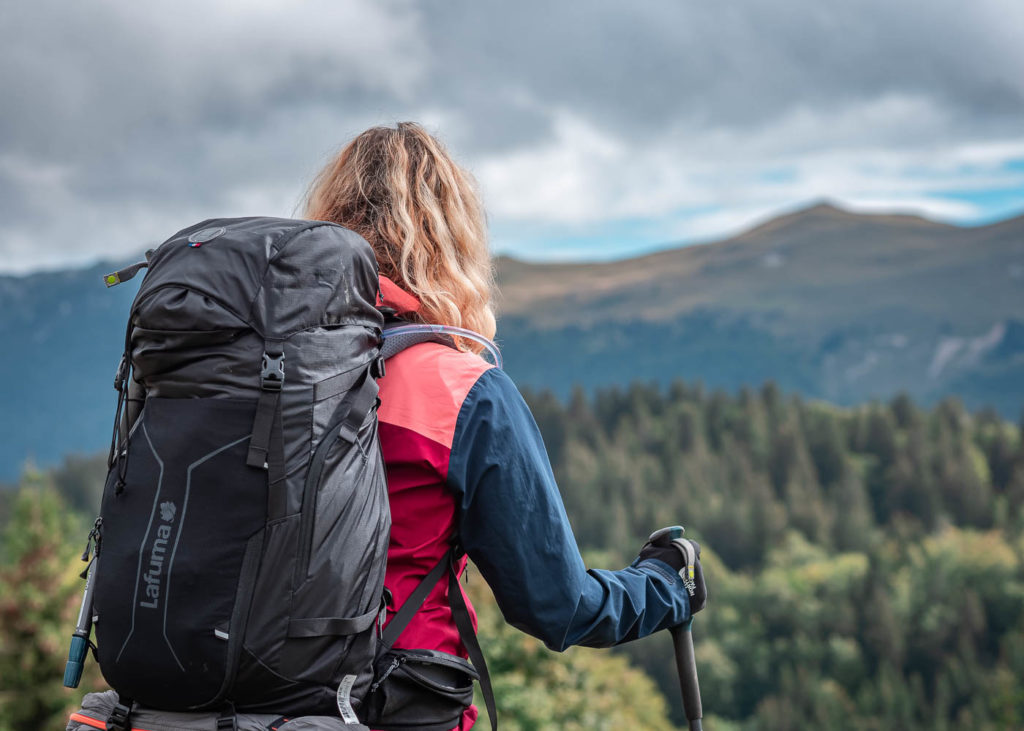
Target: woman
[(464, 457)]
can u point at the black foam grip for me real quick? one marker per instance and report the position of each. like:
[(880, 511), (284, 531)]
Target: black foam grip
[(686, 664)]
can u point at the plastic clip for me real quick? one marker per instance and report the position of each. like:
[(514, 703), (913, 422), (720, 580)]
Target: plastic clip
[(119, 718), (119, 375), (272, 373)]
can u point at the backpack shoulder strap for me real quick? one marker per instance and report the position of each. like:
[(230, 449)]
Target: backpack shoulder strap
[(412, 605), (460, 613), (410, 335), (464, 623)]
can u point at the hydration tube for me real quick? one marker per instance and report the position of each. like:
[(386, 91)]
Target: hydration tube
[(450, 330)]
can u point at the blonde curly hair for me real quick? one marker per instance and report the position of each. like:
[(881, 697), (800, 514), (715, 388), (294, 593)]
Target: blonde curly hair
[(399, 189)]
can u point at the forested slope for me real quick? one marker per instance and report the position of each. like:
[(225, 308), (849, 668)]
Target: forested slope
[(865, 565)]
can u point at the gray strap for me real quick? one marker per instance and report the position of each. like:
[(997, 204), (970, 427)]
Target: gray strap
[(395, 344), (123, 275)]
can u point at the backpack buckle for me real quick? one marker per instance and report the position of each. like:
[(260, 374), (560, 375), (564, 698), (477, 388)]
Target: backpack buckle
[(119, 717), (226, 720), (272, 373)]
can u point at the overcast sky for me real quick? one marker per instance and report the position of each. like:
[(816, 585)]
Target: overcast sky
[(596, 129)]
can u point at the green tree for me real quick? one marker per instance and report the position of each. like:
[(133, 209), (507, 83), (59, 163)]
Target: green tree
[(39, 596), (578, 690)]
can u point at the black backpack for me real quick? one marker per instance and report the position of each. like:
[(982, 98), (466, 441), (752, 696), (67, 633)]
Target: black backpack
[(245, 520)]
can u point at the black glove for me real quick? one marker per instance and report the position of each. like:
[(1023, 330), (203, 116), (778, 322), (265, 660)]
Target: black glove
[(683, 555)]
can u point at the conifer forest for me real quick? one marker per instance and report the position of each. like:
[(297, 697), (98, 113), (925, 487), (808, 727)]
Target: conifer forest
[(865, 566)]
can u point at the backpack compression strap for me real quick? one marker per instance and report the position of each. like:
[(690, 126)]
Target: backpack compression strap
[(460, 613), (123, 275)]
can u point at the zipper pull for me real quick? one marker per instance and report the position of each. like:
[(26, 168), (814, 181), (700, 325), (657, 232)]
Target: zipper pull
[(384, 676)]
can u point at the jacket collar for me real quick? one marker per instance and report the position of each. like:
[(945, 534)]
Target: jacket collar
[(393, 296)]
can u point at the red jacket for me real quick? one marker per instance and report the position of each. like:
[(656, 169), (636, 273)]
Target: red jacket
[(465, 458), (421, 396)]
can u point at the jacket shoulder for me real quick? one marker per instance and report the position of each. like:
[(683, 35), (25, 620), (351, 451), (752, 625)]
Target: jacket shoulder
[(425, 386)]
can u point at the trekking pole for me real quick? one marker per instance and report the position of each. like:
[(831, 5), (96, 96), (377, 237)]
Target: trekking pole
[(80, 637), (686, 665), (682, 640), (83, 627)]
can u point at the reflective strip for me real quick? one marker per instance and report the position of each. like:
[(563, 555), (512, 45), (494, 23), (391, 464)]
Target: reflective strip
[(95, 723), (221, 634)]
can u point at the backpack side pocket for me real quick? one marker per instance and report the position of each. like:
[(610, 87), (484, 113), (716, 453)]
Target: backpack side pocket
[(426, 690)]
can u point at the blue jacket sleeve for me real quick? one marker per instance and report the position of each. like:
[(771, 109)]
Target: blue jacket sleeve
[(513, 525)]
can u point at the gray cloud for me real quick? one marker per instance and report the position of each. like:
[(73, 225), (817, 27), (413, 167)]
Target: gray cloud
[(121, 121), (639, 69)]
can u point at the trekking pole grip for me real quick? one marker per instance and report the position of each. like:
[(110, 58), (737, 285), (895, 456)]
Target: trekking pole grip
[(686, 665), (682, 637)]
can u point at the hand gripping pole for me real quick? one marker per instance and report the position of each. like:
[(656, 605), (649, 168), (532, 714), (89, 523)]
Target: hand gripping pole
[(682, 637)]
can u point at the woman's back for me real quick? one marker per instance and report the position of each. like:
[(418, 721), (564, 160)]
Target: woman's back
[(421, 397)]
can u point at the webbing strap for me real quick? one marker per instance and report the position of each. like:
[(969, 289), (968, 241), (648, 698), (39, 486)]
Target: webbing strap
[(123, 275), (464, 623), (271, 382), (320, 626), (361, 399), (87, 720), (460, 613), (95, 722), (259, 445), (227, 720), (412, 605)]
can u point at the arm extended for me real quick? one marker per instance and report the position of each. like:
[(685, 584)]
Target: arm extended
[(514, 526)]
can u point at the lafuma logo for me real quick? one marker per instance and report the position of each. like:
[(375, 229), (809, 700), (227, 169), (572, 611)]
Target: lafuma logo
[(157, 553)]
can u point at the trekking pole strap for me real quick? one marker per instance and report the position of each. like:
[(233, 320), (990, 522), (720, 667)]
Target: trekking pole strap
[(464, 623)]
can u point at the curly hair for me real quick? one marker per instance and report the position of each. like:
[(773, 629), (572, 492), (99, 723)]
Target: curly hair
[(400, 190)]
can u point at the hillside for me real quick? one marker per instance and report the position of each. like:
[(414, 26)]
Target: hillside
[(838, 305), (864, 566), (833, 304)]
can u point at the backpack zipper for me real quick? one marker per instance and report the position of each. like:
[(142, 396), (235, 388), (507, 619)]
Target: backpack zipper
[(387, 671)]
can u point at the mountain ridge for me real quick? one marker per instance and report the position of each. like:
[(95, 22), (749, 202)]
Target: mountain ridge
[(833, 304)]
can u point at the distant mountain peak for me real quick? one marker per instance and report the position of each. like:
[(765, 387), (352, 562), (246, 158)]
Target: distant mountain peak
[(825, 212), (823, 207)]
